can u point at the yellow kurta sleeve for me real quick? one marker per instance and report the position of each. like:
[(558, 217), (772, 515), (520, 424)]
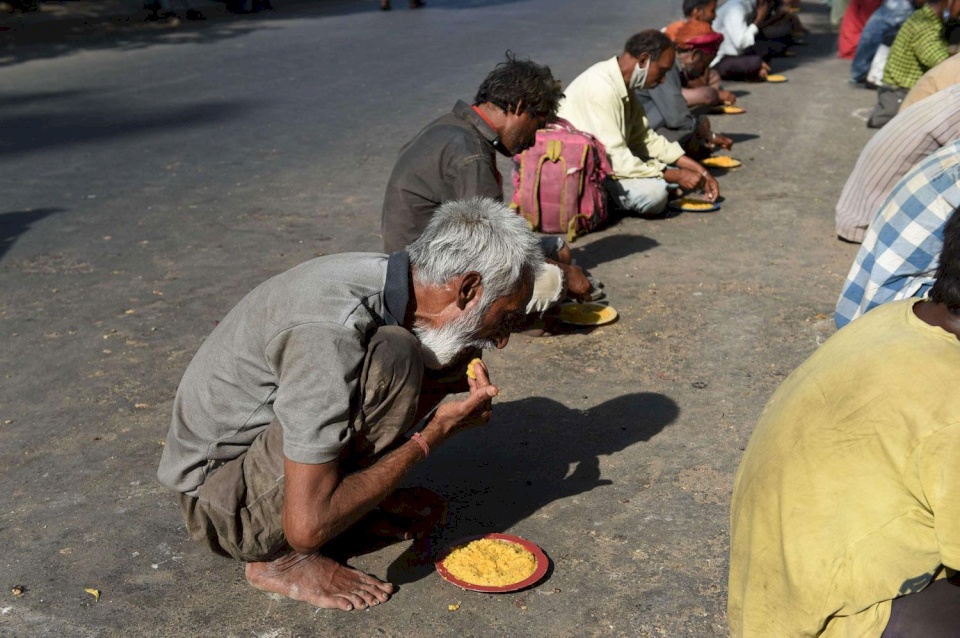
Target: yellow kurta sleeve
[(659, 147), (645, 143)]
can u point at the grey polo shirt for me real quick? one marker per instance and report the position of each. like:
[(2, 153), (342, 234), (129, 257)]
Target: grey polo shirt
[(665, 105), (293, 350), (453, 157)]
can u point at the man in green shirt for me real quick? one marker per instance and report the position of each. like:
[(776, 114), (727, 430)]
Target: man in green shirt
[(921, 44)]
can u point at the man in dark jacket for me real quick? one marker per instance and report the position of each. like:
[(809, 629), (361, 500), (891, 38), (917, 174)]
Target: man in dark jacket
[(454, 157)]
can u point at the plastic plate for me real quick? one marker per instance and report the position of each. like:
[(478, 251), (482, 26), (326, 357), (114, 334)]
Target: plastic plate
[(722, 161), (688, 205), (543, 563), (586, 314)]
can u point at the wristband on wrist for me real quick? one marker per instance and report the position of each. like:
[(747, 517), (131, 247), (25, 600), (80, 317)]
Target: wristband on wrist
[(422, 443)]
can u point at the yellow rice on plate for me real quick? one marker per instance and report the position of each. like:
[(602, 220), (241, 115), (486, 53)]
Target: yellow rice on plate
[(490, 562), (685, 203), (586, 314), (721, 161)]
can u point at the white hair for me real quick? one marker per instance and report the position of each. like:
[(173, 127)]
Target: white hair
[(477, 235)]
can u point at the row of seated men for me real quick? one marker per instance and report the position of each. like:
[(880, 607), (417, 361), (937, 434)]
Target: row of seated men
[(899, 195), (844, 512), (274, 457), (846, 499)]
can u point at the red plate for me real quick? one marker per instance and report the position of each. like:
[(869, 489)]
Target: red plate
[(543, 563)]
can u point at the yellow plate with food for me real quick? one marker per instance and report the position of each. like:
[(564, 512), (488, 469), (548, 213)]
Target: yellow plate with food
[(722, 161), (586, 314), (691, 205), (733, 110), (493, 563), (776, 78)]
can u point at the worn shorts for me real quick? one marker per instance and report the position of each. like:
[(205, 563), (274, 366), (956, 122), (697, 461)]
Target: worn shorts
[(238, 510)]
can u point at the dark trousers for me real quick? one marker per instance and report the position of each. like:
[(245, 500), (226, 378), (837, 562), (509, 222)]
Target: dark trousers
[(739, 67), (889, 99), (931, 613), (773, 39)]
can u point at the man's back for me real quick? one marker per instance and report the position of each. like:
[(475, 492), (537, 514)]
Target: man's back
[(920, 45), (940, 77), (305, 326), (453, 157), (665, 105), (906, 140), (901, 249), (847, 495), (733, 21)]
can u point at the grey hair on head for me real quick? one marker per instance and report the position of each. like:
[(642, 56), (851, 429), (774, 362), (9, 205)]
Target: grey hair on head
[(476, 235)]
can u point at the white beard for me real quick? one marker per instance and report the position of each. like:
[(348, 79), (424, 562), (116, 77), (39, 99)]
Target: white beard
[(441, 346)]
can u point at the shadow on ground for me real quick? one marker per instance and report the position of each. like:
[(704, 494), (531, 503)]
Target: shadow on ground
[(611, 248), (28, 131), (739, 138), (498, 475), (15, 223), (120, 24)]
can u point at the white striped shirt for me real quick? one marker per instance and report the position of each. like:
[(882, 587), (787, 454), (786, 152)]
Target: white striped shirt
[(906, 140)]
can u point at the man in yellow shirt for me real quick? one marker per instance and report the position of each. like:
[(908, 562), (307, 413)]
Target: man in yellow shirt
[(846, 508), (602, 101)]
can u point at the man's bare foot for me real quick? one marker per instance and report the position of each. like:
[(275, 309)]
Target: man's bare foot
[(318, 580)]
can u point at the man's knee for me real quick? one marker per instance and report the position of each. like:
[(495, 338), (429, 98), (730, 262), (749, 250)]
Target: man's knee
[(646, 195)]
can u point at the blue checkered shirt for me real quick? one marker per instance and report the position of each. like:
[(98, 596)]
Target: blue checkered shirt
[(901, 250)]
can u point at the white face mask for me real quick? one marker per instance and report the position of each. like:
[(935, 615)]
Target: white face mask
[(639, 77)]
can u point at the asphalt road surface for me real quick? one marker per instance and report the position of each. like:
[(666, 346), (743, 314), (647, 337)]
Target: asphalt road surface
[(150, 177)]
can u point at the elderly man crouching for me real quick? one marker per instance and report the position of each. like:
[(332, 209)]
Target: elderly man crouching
[(291, 423)]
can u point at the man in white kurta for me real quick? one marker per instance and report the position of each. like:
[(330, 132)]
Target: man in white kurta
[(601, 101)]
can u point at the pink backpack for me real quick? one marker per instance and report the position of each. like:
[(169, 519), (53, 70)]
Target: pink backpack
[(558, 182)]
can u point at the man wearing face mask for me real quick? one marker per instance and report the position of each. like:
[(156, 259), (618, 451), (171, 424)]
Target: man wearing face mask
[(292, 424), (455, 157), (602, 101)]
